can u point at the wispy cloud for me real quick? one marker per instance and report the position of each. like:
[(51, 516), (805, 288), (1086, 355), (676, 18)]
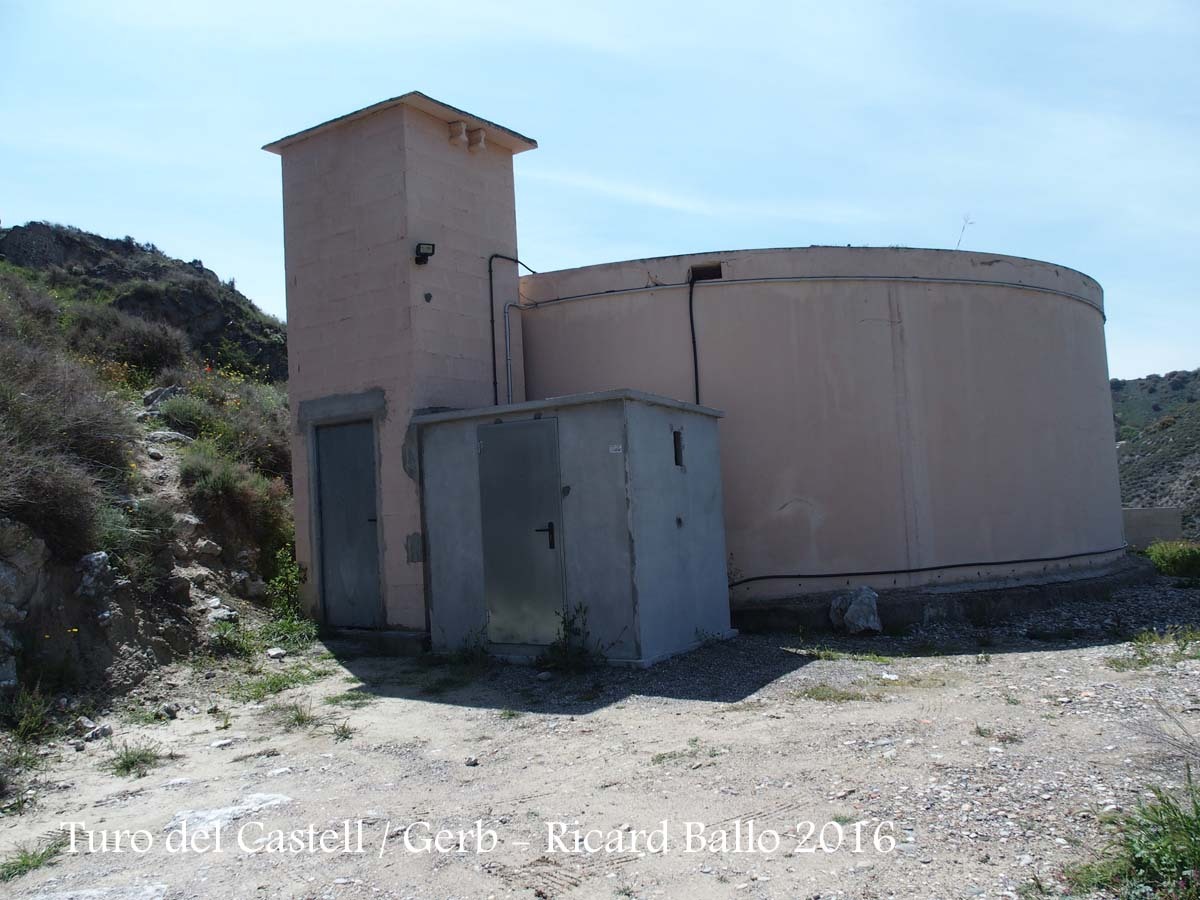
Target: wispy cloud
[(673, 201)]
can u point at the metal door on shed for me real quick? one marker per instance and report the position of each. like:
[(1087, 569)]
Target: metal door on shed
[(521, 505), (346, 505)]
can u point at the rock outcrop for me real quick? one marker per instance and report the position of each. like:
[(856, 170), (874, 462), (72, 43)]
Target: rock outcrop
[(221, 323), (23, 578)]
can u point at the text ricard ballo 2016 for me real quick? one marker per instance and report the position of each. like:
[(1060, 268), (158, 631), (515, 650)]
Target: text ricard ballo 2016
[(356, 837)]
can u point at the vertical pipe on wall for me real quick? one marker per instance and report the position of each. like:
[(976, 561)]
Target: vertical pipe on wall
[(691, 283), (492, 321), (508, 351)]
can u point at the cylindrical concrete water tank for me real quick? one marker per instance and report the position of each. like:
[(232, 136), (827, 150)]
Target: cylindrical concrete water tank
[(894, 417)]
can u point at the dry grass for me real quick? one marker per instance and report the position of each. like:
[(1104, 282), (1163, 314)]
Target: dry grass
[(828, 693)]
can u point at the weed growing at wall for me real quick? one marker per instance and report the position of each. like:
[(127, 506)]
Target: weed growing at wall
[(1156, 852), (1178, 558), (573, 651)]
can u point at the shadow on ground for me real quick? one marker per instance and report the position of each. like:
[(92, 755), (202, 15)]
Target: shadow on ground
[(728, 672), (721, 672)]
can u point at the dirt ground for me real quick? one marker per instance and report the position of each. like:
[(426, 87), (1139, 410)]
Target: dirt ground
[(987, 755)]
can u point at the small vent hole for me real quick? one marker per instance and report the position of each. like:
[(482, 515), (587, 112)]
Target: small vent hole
[(677, 441), (705, 272)]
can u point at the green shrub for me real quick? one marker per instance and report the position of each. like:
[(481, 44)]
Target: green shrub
[(247, 420), (1178, 558), (191, 415), (134, 536), (51, 493), (283, 591), (105, 333), (1157, 852), (47, 400), (292, 633), (27, 314), (231, 639), (245, 502), (62, 442), (289, 628), (573, 651), (258, 424), (29, 714)]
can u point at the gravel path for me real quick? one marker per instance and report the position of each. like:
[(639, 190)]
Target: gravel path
[(987, 755)]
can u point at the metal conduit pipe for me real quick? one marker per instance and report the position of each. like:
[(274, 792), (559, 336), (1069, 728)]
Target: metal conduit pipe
[(508, 349), (492, 321), (916, 571)]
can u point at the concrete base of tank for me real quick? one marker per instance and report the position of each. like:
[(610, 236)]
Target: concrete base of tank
[(982, 604)]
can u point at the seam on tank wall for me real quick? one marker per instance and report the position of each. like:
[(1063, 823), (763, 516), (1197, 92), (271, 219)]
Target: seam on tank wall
[(786, 279)]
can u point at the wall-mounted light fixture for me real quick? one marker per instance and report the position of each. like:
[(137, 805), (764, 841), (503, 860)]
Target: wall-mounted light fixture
[(423, 252)]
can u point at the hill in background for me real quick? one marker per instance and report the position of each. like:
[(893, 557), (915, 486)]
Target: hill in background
[(1141, 403), (221, 324), (1157, 420)]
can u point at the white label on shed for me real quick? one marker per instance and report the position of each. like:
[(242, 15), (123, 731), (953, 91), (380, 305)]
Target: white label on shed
[(615, 448)]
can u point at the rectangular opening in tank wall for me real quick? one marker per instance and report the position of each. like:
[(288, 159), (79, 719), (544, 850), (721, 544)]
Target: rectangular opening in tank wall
[(677, 441), (705, 272)]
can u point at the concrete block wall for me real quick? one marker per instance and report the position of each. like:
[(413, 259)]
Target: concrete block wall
[(358, 194), (1146, 524), (464, 203)]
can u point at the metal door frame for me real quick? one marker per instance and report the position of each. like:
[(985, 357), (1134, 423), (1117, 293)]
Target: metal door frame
[(342, 409), (560, 548)]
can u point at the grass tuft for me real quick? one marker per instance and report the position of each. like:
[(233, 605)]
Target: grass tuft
[(356, 698), (258, 689), (30, 715), (692, 750), (827, 653), (297, 715), (1154, 647), (24, 860), (136, 759), (1156, 852), (828, 693)]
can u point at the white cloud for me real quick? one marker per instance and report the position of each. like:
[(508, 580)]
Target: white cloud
[(673, 201)]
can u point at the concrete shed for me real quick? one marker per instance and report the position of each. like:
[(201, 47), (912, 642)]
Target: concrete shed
[(597, 513)]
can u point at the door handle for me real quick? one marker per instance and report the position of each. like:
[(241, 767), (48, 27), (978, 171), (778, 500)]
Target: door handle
[(549, 532)]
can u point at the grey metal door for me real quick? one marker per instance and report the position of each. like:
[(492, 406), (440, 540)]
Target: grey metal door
[(348, 532), (520, 496)]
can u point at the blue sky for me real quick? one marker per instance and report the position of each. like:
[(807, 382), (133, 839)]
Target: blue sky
[(1067, 131)]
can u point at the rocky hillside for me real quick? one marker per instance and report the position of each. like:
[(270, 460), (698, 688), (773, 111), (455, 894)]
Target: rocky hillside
[(1158, 450), (1141, 403), (144, 466), (221, 324)]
